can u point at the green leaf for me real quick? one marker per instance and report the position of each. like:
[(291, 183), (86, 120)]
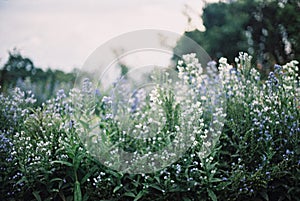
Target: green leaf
[(64, 163), (264, 195), (115, 174), (156, 187), (91, 171), (117, 188), (84, 124), (212, 195), (55, 179), (37, 195), (23, 179), (177, 189), (186, 199), (77, 192), (157, 178), (215, 180), (139, 195), (135, 183), (129, 194), (290, 190), (61, 195), (85, 197), (77, 160)]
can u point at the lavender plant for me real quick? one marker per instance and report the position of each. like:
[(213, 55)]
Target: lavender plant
[(69, 148), (263, 130)]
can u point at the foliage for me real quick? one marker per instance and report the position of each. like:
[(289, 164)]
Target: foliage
[(21, 72), (267, 29), (44, 157)]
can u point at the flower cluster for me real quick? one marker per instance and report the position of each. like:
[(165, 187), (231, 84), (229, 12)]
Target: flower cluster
[(207, 91), (268, 112), (195, 133)]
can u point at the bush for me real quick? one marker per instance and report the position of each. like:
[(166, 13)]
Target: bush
[(44, 152)]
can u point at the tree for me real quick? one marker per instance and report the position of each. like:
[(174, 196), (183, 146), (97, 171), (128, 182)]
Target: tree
[(20, 72), (267, 29), (17, 67)]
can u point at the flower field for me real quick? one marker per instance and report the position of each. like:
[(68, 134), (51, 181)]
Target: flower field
[(242, 145)]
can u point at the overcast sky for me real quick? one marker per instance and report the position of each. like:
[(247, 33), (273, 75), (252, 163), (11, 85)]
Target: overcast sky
[(61, 34)]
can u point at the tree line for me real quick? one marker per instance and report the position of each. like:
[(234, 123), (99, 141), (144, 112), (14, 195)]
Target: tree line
[(21, 72), (266, 29)]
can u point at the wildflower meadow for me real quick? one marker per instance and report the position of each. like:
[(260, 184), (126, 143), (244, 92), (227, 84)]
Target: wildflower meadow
[(215, 132)]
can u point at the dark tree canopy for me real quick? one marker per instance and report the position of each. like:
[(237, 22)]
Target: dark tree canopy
[(267, 29), (21, 72)]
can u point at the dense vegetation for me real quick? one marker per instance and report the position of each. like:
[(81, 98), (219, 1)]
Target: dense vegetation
[(256, 156), (50, 147), (21, 72), (267, 29)]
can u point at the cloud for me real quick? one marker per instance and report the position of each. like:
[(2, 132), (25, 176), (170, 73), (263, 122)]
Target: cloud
[(61, 34)]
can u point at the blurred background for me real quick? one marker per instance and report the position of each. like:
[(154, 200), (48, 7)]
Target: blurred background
[(44, 43)]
